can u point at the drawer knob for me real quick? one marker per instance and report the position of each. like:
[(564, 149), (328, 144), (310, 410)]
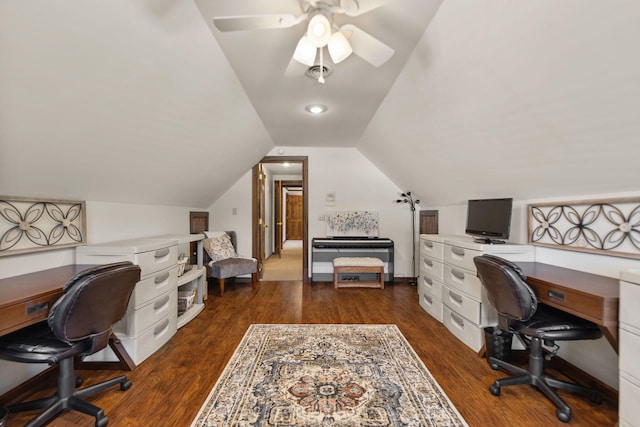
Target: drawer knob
[(162, 253), (37, 308), (457, 251), (455, 297), (556, 295), (160, 279), (457, 273)]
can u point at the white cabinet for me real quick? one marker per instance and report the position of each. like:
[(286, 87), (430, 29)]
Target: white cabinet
[(431, 274), (450, 289), (629, 393), (152, 314)]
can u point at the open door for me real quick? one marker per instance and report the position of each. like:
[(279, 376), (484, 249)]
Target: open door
[(258, 213), (277, 216), (259, 225)]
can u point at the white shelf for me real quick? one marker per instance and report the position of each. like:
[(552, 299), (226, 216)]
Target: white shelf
[(189, 315), (190, 275)]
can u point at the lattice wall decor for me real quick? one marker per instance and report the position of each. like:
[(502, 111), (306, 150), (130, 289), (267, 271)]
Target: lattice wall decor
[(30, 225), (610, 227)]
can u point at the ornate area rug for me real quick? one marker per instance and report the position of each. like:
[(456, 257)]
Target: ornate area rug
[(326, 375)]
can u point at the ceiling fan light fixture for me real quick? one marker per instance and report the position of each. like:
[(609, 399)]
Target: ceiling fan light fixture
[(339, 47), (305, 52), (319, 29)]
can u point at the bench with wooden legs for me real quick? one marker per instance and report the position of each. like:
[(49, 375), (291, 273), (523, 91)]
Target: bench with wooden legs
[(358, 265)]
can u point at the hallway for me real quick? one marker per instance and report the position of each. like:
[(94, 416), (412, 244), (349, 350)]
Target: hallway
[(286, 267)]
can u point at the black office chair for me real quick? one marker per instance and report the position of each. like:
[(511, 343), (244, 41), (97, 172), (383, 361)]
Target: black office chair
[(520, 313), (79, 324)]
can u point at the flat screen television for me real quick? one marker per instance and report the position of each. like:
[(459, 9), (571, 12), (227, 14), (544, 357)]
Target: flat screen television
[(489, 220)]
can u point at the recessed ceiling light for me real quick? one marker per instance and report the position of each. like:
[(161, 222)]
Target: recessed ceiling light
[(316, 108)]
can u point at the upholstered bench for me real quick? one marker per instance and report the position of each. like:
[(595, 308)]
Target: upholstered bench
[(358, 265)]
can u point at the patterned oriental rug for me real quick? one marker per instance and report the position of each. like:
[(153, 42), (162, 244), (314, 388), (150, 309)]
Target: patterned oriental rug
[(329, 376)]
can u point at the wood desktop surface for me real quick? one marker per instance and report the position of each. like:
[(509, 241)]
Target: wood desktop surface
[(26, 299), (589, 296)]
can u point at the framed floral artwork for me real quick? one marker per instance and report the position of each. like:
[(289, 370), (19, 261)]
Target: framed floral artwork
[(31, 225), (352, 223), (610, 227)]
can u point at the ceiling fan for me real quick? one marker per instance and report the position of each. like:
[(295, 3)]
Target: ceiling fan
[(321, 31)]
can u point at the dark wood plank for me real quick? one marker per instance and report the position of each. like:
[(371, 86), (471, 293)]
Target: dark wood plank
[(169, 387)]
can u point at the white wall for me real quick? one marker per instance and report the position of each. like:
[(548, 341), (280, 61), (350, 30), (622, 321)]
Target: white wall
[(597, 357), (357, 184), (105, 222)]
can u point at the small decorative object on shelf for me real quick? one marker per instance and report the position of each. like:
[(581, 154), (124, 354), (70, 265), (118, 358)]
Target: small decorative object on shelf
[(182, 263), (407, 197), (185, 300)]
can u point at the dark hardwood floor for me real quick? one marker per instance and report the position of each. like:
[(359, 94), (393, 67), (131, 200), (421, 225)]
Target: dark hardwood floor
[(170, 386)]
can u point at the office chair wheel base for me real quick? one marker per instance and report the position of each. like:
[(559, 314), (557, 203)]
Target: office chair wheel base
[(125, 385), (79, 381), (564, 416), (595, 397), (102, 421), (494, 389), (494, 366)]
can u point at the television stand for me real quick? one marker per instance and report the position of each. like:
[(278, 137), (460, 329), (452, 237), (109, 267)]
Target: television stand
[(487, 241)]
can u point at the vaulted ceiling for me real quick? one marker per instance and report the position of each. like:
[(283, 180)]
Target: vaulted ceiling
[(137, 101)]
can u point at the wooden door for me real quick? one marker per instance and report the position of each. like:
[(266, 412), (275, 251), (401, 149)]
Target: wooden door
[(259, 215), (294, 217), (277, 204)]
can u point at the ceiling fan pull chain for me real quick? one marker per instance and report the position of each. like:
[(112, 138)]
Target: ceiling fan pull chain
[(321, 78)]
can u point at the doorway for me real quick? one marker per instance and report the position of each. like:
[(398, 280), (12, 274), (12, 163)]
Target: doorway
[(280, 218)]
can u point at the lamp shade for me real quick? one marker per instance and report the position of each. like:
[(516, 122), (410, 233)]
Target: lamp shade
[(319, 30), (305, 52), (339, 47)]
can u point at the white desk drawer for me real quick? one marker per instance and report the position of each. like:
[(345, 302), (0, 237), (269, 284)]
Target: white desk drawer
[(150, 340), (629, 350), (431, 305), (461, 304), (464, 281), (143, 345), (432, 267), (161, 254), (154, 285), (629, 393), (153, 311), (430, 286), (464, 329), (431, 249), (153, 261), (461, 257), (629, 313)]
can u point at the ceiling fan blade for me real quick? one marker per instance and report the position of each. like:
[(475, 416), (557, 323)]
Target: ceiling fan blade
[(366, 46), (359, 7), (256, 22)]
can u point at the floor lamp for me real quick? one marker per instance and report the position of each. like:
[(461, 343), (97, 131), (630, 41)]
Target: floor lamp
[(407, 197)]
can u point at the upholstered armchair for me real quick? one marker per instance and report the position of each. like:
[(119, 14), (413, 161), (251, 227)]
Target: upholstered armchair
[(222, 260)]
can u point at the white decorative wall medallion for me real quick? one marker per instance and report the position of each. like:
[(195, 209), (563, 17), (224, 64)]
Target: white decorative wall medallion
[(31, 225), (609, 227)]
